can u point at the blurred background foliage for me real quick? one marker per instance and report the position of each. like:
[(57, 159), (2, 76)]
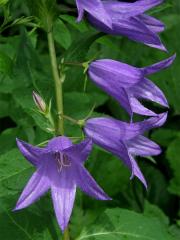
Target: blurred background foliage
[(25, 66)]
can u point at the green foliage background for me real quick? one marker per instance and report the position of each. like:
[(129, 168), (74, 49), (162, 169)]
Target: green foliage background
[(25, 66)]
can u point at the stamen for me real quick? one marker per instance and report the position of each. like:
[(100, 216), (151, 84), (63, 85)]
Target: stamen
[(62, 160)]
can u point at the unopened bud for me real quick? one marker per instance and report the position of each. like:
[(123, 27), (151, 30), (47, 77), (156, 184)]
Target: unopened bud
[(41, 105)]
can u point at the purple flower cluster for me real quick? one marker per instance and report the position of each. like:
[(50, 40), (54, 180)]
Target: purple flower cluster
[(124, 18), (60, 164)]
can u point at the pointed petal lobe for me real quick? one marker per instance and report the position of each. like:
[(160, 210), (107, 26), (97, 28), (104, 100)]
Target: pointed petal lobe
[(89, 185), (63, 191), (137, 172), (142, 146), (148, 90), (35, 188), (127, 9), (31, 153), (159, 66), (79, 152)]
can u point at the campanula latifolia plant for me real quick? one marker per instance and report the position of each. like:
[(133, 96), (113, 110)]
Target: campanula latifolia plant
[(80, 100)]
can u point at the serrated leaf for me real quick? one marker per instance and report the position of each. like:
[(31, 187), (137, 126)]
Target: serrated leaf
[(121, 224)]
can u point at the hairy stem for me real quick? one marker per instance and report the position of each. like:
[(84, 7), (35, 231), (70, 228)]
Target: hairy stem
[(57, 83)]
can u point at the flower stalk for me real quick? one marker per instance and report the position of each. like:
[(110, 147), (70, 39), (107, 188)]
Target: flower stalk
[(58, 84), (66, 234)]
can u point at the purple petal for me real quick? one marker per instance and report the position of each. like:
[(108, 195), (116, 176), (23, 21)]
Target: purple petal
[(59, 143), (137, 172), (132, 27), (94, 8), (138, 128), (159, 66), (148, 90), (63, 189), (35, 188), (30, 152), (127, 9), (79, 152), (154, 24), (107, 130), (106, 73), (142, 146), (89, 185), (138, 108)]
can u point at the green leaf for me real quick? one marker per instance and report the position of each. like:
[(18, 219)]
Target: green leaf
[(79, 48), (14, 171), (6, 64), (107, 167), (164, 136), (3, 2), (34, 223), (61, 34), (82, 27), (121, 224), (151, 210), (173, 153)]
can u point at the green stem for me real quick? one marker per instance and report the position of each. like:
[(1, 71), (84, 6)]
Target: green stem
[(58, 84), (59, 96), (66, 234)]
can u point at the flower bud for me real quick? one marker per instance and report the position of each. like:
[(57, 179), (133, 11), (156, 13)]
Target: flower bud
[(41, 105)]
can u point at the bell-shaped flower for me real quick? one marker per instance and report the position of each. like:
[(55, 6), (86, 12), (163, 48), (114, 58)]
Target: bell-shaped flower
[(128, 19), (59, 168), (128, 84), (95, 9), (125, 140)]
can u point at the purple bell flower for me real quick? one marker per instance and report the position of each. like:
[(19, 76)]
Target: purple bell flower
[(128, 19), (95, 9), (128, 84), (125, 140), (59, 168)]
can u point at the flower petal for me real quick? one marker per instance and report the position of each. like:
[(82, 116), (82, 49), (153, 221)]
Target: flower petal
[(106, 73), (158, 66), (35, 188), (63, 191), (30, 152), (109, 131), (94, 8), (148, 90), (89, 185), (134, 129), (127, 9), (59, 143), (79, 152), (138, 108), (137, 172), (131, 27), (154, 24), (142, 146)]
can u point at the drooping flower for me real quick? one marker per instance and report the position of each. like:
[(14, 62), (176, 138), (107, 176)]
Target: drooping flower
[(59, 168), (128, 84), (128, 19), (95, 9), (125, 140)]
